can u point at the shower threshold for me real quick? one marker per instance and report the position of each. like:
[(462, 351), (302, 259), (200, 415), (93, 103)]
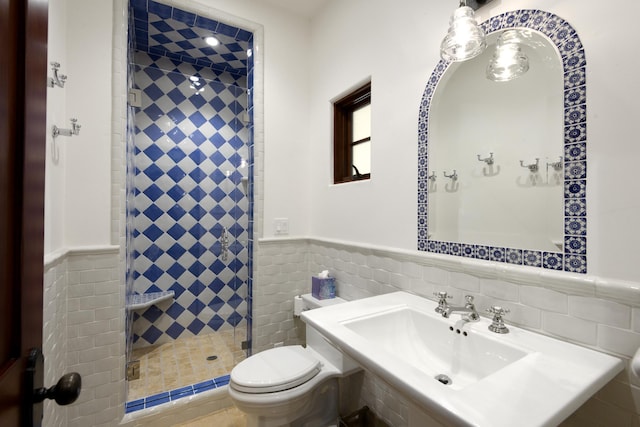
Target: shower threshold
[(173, 395)]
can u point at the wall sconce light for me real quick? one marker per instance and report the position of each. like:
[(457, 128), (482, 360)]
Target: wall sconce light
[(465, 39), (508, 61)]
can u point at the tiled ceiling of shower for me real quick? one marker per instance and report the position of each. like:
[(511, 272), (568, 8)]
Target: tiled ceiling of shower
[(179, 35)]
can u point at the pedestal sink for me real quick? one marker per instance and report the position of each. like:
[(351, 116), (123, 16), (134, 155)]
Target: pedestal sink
[(455, 357), (459, 372)]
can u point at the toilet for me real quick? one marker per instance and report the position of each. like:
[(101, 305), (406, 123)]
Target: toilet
[(292, 385)]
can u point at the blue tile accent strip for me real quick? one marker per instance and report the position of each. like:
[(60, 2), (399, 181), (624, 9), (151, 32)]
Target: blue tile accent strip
[(574, 258), (173, 395), (204, 386)]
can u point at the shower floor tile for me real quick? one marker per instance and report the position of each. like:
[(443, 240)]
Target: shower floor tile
[(184, 362)]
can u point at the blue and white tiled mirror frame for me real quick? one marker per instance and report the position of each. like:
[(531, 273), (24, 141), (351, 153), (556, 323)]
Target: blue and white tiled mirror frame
[(574, 255)]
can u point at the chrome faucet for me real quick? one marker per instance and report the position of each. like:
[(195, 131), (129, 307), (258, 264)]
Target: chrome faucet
[(498, 325), (468, 312), (442, 301)]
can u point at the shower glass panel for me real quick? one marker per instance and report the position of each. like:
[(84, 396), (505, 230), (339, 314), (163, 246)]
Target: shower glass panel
[(190, 224)]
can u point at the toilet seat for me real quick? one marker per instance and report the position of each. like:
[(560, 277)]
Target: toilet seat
[(274, 370)]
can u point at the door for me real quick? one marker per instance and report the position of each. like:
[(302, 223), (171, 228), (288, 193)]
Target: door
[(23, 73)]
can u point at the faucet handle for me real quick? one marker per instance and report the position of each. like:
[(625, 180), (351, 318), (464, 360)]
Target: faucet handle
[(498, 325), (442, 301), (442, 295), (497, 310)]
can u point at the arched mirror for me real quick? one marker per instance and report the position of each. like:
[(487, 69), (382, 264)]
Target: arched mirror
[(502, 164)]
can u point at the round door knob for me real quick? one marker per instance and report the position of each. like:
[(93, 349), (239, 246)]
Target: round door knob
[(66, 391)]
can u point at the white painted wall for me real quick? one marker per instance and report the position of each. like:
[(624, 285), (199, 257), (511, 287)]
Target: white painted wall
[(78, 180), (56, 115), (88, 165), (398, 47)]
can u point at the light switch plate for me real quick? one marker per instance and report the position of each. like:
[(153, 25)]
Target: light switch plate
[(281, 226)]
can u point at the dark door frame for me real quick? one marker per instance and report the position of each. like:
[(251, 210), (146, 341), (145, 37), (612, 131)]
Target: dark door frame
[(23, 87)]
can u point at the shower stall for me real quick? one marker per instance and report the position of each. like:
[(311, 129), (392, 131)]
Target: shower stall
[(189, 210)]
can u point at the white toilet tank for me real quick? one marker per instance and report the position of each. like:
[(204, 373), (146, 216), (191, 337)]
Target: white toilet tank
[(309, 302)]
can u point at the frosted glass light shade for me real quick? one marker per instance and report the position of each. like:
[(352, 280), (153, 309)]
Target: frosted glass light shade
[(508, 61), (465, 39)]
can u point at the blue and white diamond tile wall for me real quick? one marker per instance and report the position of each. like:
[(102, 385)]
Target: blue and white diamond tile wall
[(167, 31), (573, 257), (191, 152)]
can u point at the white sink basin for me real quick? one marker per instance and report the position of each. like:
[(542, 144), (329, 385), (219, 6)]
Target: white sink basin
[(458, 359), (460, 372)]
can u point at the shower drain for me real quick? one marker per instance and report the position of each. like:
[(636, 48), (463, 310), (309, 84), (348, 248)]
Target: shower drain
[(212, 357), (444, 379)]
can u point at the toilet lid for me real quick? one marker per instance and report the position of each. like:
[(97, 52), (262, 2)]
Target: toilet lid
[(274, 370)]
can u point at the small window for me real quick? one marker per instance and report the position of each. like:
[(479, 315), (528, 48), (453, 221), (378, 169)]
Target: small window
[(352, 136)]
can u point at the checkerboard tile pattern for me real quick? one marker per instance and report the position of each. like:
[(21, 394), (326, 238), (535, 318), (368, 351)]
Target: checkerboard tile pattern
[(179, 35), (190, 156)]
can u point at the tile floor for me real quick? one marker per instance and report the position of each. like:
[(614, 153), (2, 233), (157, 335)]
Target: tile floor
[(184, 362), (231, 417)]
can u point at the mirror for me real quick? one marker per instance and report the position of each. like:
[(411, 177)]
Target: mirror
[(503, 175), (507, 190)]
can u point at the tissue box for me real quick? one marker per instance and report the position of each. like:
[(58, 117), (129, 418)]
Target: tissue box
[(323, 287)]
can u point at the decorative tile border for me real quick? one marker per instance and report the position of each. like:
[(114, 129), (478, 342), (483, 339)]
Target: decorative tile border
[(574, 257), (179, 393)]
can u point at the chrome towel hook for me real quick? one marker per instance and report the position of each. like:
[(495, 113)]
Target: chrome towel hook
[(75, 129), (533, 167), (57, 79), (453, 176), (487, 160), (557, 166)]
